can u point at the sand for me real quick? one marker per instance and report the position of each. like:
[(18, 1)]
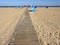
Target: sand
[(47, 25), (45, 21), (9, 18)]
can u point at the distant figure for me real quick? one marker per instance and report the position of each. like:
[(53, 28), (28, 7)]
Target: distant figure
[(46, 7)]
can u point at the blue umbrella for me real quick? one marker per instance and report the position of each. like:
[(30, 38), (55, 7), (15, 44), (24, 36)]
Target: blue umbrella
[(33, 9)]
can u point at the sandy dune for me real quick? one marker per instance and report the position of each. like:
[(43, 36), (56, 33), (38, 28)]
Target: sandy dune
[(47, 25)]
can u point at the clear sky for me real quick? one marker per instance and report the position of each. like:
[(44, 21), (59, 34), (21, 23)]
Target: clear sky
[(29, 2)]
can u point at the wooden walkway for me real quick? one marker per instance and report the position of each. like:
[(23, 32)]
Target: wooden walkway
[(25, 32)]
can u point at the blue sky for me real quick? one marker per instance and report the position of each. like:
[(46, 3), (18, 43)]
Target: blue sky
[(29, 2)]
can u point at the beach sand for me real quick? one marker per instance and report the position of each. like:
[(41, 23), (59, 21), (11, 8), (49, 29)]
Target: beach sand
[(9, 18), (46, 23)]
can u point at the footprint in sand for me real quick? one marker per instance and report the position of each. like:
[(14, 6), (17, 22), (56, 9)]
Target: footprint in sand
[(53, 26)]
